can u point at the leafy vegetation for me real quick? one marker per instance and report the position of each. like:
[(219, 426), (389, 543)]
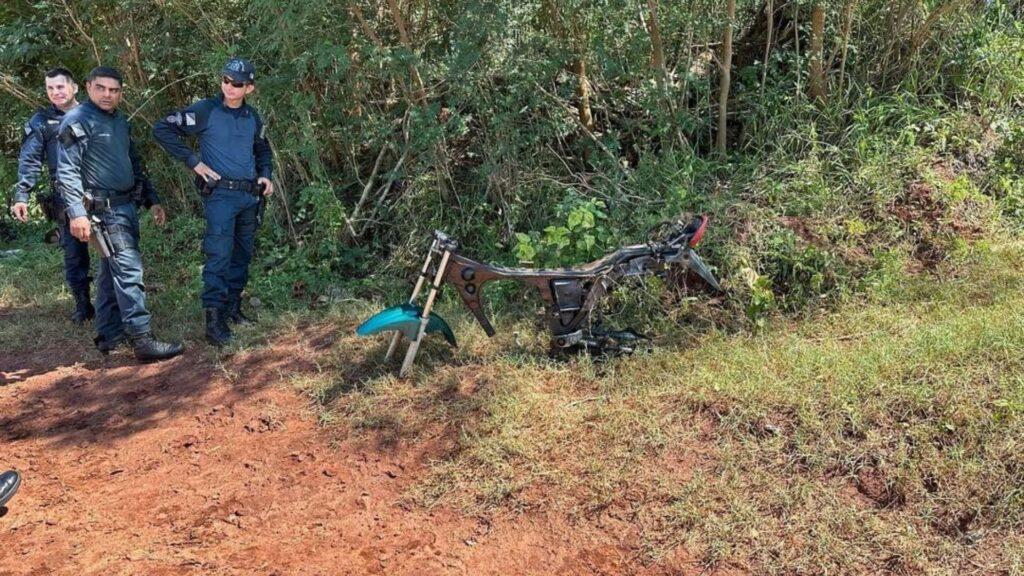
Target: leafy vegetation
[(513, 124), (852, 405)]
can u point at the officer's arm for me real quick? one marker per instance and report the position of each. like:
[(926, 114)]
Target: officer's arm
[(149, 196), (188, 122), (261, 151), (71, 140), (30, 161)]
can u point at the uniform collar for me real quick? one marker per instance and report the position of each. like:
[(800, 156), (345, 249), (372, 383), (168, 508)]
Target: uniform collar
[(244, 108), (52, 109), (92, 106)]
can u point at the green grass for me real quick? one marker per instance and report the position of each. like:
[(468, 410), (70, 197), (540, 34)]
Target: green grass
[(35, 302), (881, 436), (884, 436)]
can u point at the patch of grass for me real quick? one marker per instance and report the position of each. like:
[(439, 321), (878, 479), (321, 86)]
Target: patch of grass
[(35, 302), (883, 437)]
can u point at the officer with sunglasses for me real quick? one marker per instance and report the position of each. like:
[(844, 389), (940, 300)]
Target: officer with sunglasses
[(233, 172)]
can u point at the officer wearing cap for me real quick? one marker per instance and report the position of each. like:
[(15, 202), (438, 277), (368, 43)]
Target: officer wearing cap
[(233, 169), (39, 148), (99, 175)]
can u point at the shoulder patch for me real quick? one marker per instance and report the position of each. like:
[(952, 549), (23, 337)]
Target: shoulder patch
[(174, 119), (72, 133), (190, 118), (28, 129)]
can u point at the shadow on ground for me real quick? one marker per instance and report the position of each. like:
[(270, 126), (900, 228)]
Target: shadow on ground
[(102, 400)]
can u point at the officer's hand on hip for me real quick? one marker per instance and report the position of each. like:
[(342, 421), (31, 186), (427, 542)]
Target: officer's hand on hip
[(159, 216), (269, 185), (20, 211), (206, 172), (80, 228)]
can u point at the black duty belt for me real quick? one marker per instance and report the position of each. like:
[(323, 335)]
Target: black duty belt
[(106, 199), (240, 185)]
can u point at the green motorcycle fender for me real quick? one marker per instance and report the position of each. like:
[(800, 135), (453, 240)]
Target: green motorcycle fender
[(406, 319)]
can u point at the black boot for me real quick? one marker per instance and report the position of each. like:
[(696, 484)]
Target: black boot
[(106, 346), (83, 307), (234, 312), (217, 331), (149, 349)]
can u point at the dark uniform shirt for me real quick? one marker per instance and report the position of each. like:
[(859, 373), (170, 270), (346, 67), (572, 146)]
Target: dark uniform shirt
[(38, 147), (223, 133), (96, 153)]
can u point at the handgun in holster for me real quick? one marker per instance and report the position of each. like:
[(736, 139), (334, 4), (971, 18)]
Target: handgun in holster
[(261, 187), (205, 186), (48, 204), (100, 237)]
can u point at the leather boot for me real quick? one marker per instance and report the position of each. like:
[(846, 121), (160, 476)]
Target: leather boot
[(9, 483), (217, 331), (83, 307), (234, 312), (149, 349), (106, 346)]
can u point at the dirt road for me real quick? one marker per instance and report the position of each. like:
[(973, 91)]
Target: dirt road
[(197, 467)]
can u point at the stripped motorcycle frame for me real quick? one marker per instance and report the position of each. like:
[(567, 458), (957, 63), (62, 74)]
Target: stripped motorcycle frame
[(571, 294)]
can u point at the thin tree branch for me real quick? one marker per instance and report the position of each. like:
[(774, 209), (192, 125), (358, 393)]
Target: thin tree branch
[(81, 30)]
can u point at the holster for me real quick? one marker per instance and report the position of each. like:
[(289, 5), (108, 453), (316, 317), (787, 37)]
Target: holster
[(205, 188), (48, 204), (263, 204), (137, 192), (100, 237)]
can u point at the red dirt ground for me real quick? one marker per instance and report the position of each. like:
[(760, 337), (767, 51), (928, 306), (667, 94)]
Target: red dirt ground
[(183, 468)]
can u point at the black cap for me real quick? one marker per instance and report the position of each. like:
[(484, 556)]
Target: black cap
[(240, 70)]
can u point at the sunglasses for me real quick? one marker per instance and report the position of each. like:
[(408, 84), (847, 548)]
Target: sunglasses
[(234, 84)]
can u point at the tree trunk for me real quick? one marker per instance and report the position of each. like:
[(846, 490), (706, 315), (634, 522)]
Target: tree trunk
[(657, 49), (403, 36), (796, 45), (848, 9), (770, 16), (816, 77), (661, 70), (583, 91), (725, 78)]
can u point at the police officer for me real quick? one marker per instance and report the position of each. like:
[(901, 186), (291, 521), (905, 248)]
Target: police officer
[(233, 169), (38, 148), (99, 174)]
